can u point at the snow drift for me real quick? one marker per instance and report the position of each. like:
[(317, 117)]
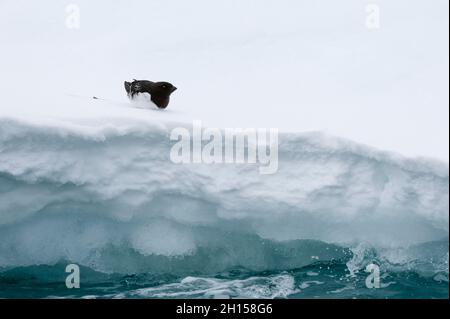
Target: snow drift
[(108, 197)]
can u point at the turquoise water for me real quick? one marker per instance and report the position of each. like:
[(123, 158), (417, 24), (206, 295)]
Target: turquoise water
[(338, 279)]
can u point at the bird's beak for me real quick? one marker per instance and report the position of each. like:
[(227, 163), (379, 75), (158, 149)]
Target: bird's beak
[(174, 89)]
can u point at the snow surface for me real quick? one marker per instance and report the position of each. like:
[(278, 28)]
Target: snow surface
[(295, 65)]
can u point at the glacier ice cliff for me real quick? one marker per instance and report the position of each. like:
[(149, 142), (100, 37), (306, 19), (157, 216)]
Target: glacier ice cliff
[(110, 198)]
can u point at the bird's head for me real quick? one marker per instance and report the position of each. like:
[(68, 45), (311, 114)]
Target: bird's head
[(160, 93), (164, 88)]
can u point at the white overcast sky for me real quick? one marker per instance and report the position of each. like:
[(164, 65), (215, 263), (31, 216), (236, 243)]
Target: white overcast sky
[(298, 65)]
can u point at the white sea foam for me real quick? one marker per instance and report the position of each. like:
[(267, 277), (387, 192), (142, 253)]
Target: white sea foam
[(275, 286)]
